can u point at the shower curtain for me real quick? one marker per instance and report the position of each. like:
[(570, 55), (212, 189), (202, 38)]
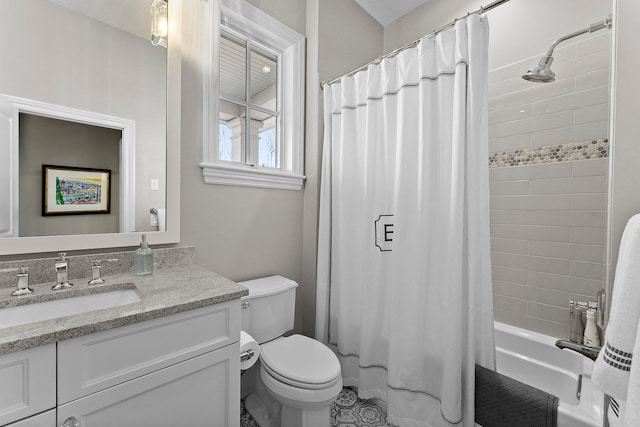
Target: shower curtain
[(404, 280)]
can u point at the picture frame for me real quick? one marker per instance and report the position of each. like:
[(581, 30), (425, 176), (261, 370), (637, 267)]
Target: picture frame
[(68, 190)]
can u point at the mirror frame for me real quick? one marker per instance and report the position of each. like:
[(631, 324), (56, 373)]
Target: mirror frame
[(39, 244)]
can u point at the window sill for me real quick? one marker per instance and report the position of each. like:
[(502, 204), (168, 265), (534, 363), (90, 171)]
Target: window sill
[(216, 173)]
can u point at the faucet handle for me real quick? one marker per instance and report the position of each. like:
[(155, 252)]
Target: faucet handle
[(62, 273), (23, 282), (96, 270)]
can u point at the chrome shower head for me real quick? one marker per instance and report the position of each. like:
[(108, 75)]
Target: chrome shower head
[(542, 72)]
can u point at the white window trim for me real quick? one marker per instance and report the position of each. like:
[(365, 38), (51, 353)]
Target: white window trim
[(258, 24)]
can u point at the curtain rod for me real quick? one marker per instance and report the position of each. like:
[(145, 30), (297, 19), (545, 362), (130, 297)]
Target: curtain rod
[(414, 43)]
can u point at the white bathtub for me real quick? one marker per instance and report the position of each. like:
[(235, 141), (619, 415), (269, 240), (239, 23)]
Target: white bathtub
[(534, 359)]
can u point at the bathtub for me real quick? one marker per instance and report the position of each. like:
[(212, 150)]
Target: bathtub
[(534, 359)]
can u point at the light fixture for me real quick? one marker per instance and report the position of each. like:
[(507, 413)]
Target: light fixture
[(159, 22)]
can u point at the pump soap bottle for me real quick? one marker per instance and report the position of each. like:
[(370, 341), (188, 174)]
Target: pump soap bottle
[(143, 259)]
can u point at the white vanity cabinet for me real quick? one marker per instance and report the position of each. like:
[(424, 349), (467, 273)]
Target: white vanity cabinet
[(191, 393), (46, 419), (27, 383), (181, 369)]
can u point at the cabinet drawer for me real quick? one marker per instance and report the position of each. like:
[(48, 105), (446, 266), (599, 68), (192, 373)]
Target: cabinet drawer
[(46, 419), (94, 362), (203, 391), (27, 383)]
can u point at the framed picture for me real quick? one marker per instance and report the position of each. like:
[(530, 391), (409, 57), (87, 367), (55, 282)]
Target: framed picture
[(69, 190)]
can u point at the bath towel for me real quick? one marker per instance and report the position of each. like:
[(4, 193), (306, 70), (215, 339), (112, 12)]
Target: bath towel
[(630, 415), (504, 402), (615, 412), (613, 365)]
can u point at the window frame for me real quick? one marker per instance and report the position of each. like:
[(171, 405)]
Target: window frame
[(253, 23)]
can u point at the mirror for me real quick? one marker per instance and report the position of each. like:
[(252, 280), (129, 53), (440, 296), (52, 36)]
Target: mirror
[(85, 88)]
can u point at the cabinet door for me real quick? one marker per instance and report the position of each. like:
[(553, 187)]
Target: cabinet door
[(27, 383), (46, 419), (95, 362), (203, 391)]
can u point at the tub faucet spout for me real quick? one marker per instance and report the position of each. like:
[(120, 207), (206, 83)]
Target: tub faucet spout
[(590, 352)]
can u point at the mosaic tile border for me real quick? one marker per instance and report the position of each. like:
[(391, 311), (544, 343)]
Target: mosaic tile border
[(572, 151)]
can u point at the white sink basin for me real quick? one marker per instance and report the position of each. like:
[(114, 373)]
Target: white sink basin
[(35, 312)]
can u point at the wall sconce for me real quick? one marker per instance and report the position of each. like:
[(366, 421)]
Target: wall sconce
[(159, 22)]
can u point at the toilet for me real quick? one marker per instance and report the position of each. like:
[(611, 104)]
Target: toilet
[(296, 378)]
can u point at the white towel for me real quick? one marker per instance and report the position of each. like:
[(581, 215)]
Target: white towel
[(631, 416), (612, 368), (615, 413)]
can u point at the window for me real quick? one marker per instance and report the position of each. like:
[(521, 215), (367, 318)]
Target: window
[(254, 100)]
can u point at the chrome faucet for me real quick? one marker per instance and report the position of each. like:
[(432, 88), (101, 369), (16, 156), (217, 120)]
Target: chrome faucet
[(62, 273), (23, 280), (590, 352)]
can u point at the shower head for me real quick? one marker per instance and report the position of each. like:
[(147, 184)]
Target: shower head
[(542, 72)]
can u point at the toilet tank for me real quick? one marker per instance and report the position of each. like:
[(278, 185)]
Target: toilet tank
[(268, 311)]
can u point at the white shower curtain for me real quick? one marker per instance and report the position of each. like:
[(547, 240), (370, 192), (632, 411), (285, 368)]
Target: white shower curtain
[(404, 280)]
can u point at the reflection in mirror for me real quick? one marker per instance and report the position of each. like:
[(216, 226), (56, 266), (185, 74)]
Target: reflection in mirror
[(82, 86), (49, 141), (248, 87)]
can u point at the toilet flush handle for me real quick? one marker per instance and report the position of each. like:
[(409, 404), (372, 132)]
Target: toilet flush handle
[(247, 355)]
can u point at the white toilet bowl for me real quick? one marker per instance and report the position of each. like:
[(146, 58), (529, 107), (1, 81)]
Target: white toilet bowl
[(304, 376), (299, 377)]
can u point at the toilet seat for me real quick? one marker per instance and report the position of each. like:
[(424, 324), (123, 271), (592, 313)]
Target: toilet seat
[(301, 362)]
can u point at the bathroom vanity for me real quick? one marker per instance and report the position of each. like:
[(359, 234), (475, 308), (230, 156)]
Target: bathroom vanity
[(170, 359)]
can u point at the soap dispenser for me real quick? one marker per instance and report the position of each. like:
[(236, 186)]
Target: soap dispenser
[(143, 259)]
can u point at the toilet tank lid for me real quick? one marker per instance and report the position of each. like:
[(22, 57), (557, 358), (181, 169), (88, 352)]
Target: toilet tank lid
[(266, 286)]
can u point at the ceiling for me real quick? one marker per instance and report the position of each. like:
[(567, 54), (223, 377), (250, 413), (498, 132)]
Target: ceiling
[(128, 15), (387, 11), (118, 13)]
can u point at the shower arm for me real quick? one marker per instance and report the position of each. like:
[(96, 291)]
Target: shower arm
[(606, 23)]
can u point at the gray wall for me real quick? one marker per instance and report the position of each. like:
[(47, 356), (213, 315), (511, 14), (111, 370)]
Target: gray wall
[(241, 233), (57, 142), (244, 233)]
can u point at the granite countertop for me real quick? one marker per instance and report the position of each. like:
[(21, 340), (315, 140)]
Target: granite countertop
[(167, 291)]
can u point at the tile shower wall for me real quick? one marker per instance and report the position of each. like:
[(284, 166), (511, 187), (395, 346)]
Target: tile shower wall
[(548, 177)]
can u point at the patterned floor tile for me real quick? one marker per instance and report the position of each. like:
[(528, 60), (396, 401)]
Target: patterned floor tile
[(347, 411)]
